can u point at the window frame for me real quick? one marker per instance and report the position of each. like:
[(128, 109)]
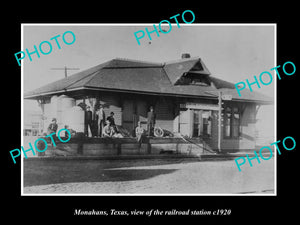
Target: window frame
[(232, 121)]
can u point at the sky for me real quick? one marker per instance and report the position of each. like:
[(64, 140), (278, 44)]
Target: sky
[(230, 52), (233, 53)]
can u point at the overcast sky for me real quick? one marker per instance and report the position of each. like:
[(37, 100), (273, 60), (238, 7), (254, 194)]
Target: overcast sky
[(233, 53)]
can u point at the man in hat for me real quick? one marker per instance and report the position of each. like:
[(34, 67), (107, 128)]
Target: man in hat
[(111, 119), (88, 117), (52, 128), (101, 118), (150, 121)]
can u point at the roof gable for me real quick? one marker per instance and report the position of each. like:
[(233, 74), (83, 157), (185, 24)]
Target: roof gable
[(177, 69)]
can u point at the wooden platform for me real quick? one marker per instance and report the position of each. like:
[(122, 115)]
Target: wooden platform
[(123, 146)]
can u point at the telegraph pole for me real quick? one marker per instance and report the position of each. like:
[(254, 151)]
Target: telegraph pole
[(226, 97), (65, 69)]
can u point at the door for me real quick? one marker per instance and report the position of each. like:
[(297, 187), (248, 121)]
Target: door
[(197, 123), (185, 121), (141, 113), (128, 115), (201, 123)]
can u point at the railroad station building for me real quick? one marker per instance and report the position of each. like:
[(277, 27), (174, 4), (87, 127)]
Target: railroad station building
[(184, 94)]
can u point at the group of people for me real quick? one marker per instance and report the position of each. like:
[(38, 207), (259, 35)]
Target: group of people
[(106, 127)]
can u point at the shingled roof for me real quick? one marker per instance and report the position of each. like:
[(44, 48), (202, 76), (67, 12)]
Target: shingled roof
[(135, 76)]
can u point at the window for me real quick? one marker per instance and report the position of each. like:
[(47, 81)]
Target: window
[(199, 81), (227, 121), (193, 79), (232, 122), (235, 122), (206, 118)]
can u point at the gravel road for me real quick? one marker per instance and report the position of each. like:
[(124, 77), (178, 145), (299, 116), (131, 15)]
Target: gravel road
[(147, 176)]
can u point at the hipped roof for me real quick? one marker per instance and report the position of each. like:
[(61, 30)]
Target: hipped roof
[(124, 75)]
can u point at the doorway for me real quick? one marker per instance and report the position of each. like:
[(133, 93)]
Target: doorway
[(201, 123), (195, 122), (133, 110)]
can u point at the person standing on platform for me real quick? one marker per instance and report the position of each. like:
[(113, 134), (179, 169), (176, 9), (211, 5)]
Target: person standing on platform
[(151, 117), (88, 118), (101, 118), (111, 119)]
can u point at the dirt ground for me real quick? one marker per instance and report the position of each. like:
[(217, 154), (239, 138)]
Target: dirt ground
[(147, 176)]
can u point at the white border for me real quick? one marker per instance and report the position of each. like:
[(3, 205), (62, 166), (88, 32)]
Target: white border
[(22, 112), (275, 111), (151, 24)]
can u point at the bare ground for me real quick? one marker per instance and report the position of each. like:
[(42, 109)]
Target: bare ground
[(147, 176)]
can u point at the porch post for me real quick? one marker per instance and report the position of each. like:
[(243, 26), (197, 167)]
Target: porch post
[(219, 121)]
